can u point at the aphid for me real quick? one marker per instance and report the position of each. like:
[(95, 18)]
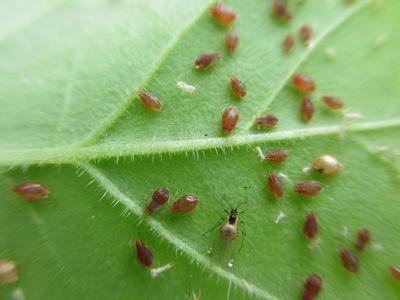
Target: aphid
[(224, 14), (31, 190), (144, 254), (312, 287), (326, 164), (307, 108), (230, 117), (308, 188), (185, 203), (267, 121), (277, 155), (231, 40), (230, 228), (186, 87), (332, 102), (303, 83), (238, 87), (8, 272), (349, 260), (288, 43), (311, 226), (150, 100), (305, 33), (395, 272), (280, 9), (205, 60), (275, 185), (363, 238), (158, 198)]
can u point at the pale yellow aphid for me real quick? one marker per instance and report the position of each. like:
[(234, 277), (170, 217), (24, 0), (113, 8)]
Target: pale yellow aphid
[(326, 164)]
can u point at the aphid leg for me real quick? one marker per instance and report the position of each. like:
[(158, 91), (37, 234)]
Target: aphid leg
[(215, 226)]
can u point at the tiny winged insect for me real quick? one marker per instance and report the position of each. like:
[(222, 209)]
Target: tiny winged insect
[(206, 60), (150, 101), (363, 238), (312, 287), (143, 254), (280, 10), (332, 102), (303, 83), (305, 33), (238, 87), (288, 43), (31, 190), (231, 40), (158, 198), (267, 121), (223, 14), (349, 260), (185, 204), (311, 226)]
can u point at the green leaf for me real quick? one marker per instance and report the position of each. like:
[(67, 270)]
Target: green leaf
[(71, 120)]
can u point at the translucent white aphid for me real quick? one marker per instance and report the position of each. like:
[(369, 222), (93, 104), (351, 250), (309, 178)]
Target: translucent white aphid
[(279, 217), (326, 164), (352, 115), (260, 154), (331, 52), (154, 272), (345, 231), (187, 88)]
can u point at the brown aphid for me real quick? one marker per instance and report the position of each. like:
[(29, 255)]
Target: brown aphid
[(275, 185), (230, 117), (238, 87), (307, 109), (311, 226), (31, 190), (231, 40), (303, 83), (158, 198), (280, 9), (277, 155), (308, 188), (332, 102), (185, 203), (395, 272), (305, 33), (8, 271), (267, 121), (363, 238), (205, 60), (312, 287), (229, 229), (349, 260), (326, 164), (288, 43), (150, 101), (144, 254), (223, 14)]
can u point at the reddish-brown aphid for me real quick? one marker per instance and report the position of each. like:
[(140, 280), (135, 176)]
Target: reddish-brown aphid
[(288, 43), (223, 13), (185, 203), (8, 272), (206, 59), (311, 226), (312, 287), (267, 121), (275, 185), (332, 102), (303, 83), (308, 188), (144, 254), (31, 190), (349, 260), (305, 33), (277, 155), (363, 238), (280, 9), (158, 198), (150, 100), (238, 87), (230, 117), (231, 40), (395, 272), (307, 109)]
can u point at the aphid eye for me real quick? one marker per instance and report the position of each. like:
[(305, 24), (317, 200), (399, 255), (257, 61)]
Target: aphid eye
[(267, 121), (231, 40), (307, 108), (288, 43), (311, 226), (349, 260), (332, 102), (185, 203), (144, 254), (326, 164), (275, 185), (238, 87), (280, 9), (205, 60), (277, 155), (150, 101), (363, 238), (303, 83), (395, 272), (223, 14), (308, 188), (31, 190), (305, 33), (158, 198), (230, 117), (312, 287), (8, 272)]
